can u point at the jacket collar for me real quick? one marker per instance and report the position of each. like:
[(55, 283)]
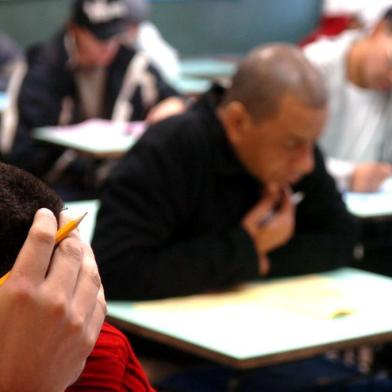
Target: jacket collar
[(225, 159)]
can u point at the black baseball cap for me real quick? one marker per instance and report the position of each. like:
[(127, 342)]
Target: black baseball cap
[(108, 18)]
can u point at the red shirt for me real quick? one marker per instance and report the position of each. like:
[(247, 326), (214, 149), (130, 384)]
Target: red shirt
[(112, 366)]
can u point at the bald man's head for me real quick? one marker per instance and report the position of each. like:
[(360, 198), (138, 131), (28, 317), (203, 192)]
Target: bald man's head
[(271, 71), (274, 112)]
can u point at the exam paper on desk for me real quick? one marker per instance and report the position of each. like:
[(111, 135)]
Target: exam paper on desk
[(94, 135), (313, 296), (244, 323)]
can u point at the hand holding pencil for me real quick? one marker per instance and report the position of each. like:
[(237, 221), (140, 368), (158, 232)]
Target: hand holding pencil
[(51, 290), (66, 229), (271, 222), (62, 233)]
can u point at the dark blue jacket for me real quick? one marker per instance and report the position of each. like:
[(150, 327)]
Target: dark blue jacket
[(170, 219), (49, 92)]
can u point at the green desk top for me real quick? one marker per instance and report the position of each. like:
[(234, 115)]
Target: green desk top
[(270, 322), (207, 67), (371, 205)]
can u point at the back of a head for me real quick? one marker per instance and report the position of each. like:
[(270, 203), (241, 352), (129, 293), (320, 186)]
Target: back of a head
[(108, 18), (21, 195), (271, 71)]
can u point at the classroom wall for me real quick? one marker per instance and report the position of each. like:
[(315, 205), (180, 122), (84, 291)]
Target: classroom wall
[(234, 26), (195, 27)]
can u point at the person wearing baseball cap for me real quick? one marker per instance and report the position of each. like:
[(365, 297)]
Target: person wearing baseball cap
[(98, 27), (108, 18), (87, 71)]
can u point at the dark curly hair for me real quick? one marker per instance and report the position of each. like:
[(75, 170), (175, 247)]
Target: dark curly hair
[(21, 195)]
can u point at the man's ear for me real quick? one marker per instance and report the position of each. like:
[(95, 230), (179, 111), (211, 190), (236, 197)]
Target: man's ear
[(237, 121)]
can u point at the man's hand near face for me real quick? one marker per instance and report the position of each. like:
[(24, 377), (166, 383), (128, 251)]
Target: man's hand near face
[(270, 223)]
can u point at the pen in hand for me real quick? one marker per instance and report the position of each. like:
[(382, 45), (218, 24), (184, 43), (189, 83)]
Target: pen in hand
[(295, 199), (62, 232)]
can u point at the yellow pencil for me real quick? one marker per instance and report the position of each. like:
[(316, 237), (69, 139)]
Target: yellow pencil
[(4, 278), (62, 232), (65, 230)]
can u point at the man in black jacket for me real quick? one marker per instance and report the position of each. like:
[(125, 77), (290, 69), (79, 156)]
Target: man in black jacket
[(189, 208), (86, 71)]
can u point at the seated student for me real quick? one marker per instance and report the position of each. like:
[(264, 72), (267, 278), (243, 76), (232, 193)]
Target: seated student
[(183, 212), (357, 69), (30, 301), (188, 210), (86, 72), (112, 364)]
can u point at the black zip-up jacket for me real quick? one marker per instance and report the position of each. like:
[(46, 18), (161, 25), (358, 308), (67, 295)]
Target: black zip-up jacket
[(49, 94), (169, 222)]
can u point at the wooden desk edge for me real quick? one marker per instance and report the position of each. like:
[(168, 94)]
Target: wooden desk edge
[(250, 363)]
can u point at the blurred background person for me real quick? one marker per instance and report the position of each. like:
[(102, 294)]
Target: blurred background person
[(357, 67), (10, 55), (86, 71)]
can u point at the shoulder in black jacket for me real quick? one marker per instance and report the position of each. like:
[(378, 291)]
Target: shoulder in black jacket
[(170, 218)]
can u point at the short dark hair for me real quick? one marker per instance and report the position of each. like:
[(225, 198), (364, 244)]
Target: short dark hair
[(268, 72), (21, 195)]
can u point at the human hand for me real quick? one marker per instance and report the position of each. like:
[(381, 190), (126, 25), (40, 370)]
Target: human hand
[(367, 177), (166, 108), (269, 231), (52, 307)]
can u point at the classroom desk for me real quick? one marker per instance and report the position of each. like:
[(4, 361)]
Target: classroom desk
[(4, 101), (197, 74), (260, 324), (98, 138), (207, 68), (191, 86), (369, 205)]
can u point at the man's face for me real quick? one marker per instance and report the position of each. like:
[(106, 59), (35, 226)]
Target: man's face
[(280, 149), (92, 52), (376, 67)]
